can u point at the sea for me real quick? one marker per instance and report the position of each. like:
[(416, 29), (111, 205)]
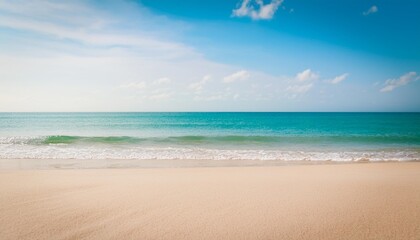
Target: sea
[(212, 136)]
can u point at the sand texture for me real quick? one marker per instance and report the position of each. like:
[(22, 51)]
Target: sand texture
[(342, 201)]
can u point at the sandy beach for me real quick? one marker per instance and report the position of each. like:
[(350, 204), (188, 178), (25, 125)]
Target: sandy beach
[(331, 201)]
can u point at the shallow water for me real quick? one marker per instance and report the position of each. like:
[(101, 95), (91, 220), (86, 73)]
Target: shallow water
[(211, 136)]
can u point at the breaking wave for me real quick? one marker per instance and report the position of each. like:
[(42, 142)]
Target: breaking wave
[(284, 148)]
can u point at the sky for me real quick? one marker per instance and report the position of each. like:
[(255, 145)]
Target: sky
[(208, 55)]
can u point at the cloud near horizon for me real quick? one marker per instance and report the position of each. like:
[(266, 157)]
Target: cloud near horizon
[(405, 79), (302, 83)]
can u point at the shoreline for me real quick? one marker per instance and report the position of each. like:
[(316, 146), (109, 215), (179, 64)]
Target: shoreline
[(45, 164), (322, 201)]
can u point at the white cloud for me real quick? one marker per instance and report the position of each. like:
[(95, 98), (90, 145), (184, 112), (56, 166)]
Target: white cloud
[(160, 81), (94, 39), (237, 76), (339, 78), (82, 23), (405, 79), (301, 83), (371, 10), (256, 9), (197, 87), (306, 75)]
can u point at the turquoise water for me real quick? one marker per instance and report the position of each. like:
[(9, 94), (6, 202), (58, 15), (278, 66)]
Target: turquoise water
[(213, 136)]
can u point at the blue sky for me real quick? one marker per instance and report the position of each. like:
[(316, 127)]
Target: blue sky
[(233, 55)]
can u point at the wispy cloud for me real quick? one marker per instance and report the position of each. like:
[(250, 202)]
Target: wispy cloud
[(339, 78), (237, 76), (302, 83), (307, 75), (197, 87), (371, 10), (256, 9), (405, 79), (80, 23)]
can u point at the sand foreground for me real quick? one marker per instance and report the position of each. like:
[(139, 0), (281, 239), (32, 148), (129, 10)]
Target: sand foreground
[(343, 201)]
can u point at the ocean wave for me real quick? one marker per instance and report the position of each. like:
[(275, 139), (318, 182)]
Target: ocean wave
[(231, 147), (200, 139)]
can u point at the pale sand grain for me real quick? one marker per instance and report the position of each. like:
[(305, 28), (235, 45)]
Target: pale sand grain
[(350, 201)]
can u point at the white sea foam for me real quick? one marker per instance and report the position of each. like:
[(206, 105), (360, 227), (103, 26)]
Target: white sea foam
[(19, 139), (25, 151)]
